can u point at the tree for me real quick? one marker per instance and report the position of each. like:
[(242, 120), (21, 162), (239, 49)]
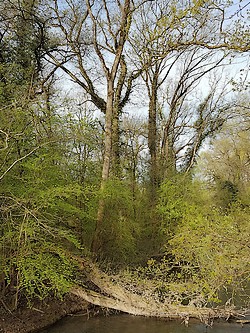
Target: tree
[(134, 149), (226, 165), (31, 177), (106, 41), (173, 34), (56, 154), (23, 41)]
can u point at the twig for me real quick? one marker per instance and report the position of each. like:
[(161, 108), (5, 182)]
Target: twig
[(5, 306), (22, 158)]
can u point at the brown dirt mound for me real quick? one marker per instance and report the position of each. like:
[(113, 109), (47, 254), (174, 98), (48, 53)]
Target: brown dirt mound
[(40, 315)]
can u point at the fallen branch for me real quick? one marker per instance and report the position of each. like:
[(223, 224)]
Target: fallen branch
[(243, 321), (205, 315), (113, 296)]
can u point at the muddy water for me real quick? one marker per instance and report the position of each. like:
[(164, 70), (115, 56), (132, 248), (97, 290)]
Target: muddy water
[(131, 324)]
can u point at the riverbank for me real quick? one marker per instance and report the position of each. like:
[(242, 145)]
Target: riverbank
[(40, 315), (133, 324), (44, 314)]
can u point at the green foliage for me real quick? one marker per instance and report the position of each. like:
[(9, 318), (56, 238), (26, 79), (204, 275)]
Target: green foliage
[(45, 213), (226, 164), (51, 155), (206, 250), (119, 229), (217, 245), (35, 256), (177, 197), (45, 274)]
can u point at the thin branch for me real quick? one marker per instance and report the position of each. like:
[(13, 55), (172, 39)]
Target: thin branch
[(89, 88), (22, 158), (5, 140), (96, 46)]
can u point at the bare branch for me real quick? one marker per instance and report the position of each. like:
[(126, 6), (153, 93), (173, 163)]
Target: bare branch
[(22, 158), (5, 140), (88, 87), (96, 46)]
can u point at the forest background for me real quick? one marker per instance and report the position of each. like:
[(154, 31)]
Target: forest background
[(124, 137)]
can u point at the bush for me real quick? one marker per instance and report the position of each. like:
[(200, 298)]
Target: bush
[(35, 259)]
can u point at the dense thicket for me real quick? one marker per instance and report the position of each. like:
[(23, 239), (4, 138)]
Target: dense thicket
[(105, 164)]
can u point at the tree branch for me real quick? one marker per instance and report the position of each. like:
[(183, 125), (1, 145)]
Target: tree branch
[(22, 158)]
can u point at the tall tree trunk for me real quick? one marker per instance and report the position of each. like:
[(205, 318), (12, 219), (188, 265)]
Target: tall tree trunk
[(96, 243), (119, 102), (153, 143), (113, 98), (167, 157), (116, 162)]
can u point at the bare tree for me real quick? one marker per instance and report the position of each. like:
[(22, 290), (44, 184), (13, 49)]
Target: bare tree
[(95, 33), (192, 33), (186, 126)]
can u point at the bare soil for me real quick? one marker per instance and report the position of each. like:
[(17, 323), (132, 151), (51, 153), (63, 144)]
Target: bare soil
[(40, 315)]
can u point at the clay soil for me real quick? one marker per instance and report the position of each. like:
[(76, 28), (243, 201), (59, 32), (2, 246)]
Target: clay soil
[(40, 315)]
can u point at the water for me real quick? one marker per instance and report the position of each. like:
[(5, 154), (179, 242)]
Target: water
[(131, 324)]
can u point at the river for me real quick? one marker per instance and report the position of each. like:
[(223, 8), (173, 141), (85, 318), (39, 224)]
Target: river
[(132, 324)]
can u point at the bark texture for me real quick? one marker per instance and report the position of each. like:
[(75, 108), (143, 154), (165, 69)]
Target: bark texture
[(107, 293)]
